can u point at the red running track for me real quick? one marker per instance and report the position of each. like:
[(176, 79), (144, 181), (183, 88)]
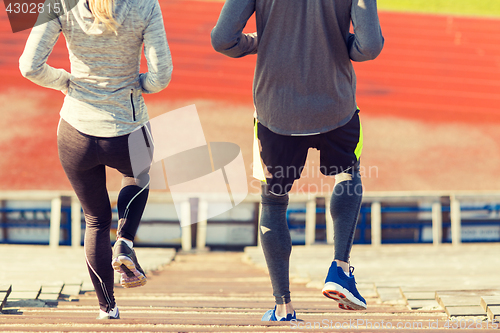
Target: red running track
[(433, 67)]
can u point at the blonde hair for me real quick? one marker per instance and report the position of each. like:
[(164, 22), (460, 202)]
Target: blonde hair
[(103, 12)]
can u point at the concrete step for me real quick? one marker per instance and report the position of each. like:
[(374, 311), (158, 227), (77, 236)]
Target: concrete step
[(487, 301), (71, 290), (465, 303), (493, 313), (418, 299), (4, 293), (212, 292), (27, 291), (51, 291), (390, 295), (491, 304)]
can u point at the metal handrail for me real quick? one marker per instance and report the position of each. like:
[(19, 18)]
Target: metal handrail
[(373, 198)]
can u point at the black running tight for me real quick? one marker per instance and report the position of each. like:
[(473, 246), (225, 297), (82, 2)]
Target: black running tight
[(275, 236), (84, 159)]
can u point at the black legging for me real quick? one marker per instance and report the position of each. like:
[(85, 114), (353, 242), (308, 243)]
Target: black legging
[(275, 236), (84, 159)]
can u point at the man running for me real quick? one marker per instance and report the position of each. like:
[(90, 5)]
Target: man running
[(304, 95)]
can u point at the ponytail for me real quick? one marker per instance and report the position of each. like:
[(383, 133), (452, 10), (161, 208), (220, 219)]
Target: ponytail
[(103, 12)]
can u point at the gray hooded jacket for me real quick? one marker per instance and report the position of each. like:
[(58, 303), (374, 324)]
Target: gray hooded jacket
[(105, 87)]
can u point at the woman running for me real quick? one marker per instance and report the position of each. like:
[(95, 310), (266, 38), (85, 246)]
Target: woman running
[(103, 105)]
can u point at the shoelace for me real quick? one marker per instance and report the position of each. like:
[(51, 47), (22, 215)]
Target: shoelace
[(351, 270)]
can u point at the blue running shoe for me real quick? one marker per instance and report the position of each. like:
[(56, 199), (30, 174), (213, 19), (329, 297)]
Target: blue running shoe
[(342, 289), (270, 315)]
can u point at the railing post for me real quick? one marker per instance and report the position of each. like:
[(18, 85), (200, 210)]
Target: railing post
[(186, 226), (3, 219), (456, 223), (76, 223), (55, 222), (329, 222), (311, 221), (201, 234), (376, 223), (437, 223)]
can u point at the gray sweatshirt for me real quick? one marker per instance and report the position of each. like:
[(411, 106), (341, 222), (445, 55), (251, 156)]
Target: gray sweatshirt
[(104, 88), (304, 80)]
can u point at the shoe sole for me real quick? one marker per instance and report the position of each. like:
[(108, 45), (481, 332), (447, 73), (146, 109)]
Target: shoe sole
[(344, 297), (130, 275), (108, 317)]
